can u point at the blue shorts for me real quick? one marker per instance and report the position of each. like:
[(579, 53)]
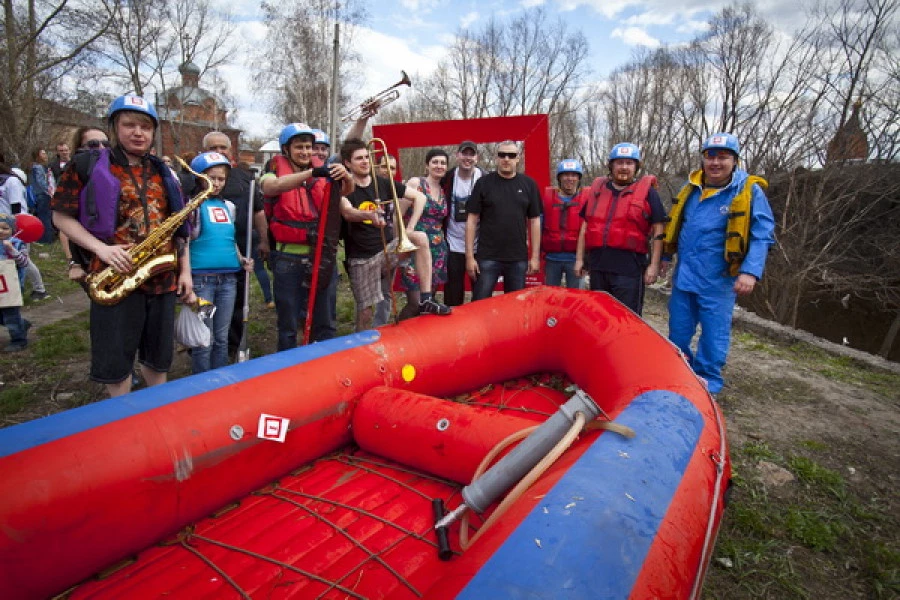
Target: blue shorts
[(142, 324)]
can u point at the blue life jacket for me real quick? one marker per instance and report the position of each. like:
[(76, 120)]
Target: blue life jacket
[(213, 251)]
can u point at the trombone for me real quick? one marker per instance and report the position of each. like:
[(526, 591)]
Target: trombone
[(374, 147), (368, 106)]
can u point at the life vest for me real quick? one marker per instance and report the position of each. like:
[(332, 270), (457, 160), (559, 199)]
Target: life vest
[(737, 233), (561, 221), (98, 208), (213, 251), (294, 214), (621, 221)]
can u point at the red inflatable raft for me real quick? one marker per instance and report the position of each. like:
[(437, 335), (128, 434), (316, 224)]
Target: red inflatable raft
[(321, 472)]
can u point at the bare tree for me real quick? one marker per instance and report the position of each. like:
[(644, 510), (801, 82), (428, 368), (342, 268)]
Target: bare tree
[(40, 42), (298, 56), (530, 64)]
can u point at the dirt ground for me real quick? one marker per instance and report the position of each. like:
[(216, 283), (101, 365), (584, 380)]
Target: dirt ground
[(787, 400)]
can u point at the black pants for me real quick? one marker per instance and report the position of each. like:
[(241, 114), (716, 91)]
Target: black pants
[(455, 288), (627, 289)]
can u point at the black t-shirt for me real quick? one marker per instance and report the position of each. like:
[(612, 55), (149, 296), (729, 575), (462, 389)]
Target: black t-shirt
[(504, 207), (618, 260), (364, 241)]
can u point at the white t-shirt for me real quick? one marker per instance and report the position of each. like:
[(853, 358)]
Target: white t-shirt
[(12, 196), (456, 230)]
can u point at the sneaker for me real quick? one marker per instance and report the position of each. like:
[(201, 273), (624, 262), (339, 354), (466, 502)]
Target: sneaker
[(37, 296), (15, 347), (432, 307), (270, 304)]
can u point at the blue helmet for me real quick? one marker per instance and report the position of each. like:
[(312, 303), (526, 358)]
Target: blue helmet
[(293, 130), (132, 103), (321, 137), (722, 141), (206, 160), (569, 165), (625, 150)]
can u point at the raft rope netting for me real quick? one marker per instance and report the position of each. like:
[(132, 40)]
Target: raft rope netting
[(508, 391)]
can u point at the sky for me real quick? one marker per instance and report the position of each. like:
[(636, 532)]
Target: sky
[(412, 35)]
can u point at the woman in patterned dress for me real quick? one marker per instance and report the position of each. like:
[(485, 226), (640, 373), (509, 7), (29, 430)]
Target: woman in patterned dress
[(432, 223)]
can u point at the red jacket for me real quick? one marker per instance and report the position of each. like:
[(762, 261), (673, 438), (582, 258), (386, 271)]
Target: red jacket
[(621, 221), (294, 215), (561, 220)]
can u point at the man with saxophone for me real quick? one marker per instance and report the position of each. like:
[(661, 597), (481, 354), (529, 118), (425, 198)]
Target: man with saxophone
[(106, 203), (298, 193)]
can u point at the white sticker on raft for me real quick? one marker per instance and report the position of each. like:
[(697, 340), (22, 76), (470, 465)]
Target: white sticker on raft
[(272, 427)]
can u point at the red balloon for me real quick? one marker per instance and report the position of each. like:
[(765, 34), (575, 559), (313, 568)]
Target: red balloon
[(29, 228)]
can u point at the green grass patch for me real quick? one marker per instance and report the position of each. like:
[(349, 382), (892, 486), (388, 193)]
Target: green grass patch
[(753, 343), (814, 529), (15, 398), (62, 340), (757, 451), (52, 263), (812, 473), (814, 445), (845, 369)]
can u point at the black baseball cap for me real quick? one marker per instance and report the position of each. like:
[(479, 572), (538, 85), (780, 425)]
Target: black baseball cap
[(467, 145)]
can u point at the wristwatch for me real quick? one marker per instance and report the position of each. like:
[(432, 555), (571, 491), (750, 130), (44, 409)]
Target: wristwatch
[(72, 264)]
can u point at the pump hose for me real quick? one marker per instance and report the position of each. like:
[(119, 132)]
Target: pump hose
[(538, 470)]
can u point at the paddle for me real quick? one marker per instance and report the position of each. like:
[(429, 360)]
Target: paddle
[(243, 352)]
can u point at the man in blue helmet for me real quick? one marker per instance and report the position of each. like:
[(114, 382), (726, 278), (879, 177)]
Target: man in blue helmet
[(109, 200), (622, 230), (721, 227), (298, 191), (561, 224)]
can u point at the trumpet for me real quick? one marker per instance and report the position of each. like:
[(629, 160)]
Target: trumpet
[(368, 106), (403, 242)]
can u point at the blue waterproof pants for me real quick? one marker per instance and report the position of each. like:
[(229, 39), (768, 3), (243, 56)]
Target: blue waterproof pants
[(713, 314)]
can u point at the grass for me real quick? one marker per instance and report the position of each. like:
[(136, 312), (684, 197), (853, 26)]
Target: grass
[(780, 542)]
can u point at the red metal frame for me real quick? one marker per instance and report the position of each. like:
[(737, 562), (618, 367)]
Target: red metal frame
[(532, 130)]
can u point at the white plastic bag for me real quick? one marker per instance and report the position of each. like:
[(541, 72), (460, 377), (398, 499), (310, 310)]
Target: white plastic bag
[(191, 330)]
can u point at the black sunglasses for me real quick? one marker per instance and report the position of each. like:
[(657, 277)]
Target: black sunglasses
[(94, 144), (507, 154)]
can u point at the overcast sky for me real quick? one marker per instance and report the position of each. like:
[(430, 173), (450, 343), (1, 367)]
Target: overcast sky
[(412, 35)]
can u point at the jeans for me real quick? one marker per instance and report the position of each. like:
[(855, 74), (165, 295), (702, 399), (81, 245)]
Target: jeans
[(42, 212), (221, 290), (513, 272), (554, 271), (11, 317), (262, 276), (292, 278)]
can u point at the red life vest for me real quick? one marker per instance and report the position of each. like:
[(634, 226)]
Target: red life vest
[(621, 221), (561, 220), (294, 215)]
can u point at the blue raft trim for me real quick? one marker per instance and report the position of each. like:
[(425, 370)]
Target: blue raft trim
[(47, 429), (603, 515)]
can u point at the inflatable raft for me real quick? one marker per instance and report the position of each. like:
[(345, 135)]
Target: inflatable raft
[(322, 472)]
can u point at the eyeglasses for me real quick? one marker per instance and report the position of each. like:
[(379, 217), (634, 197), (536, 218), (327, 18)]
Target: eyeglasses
[(509, 155), (94, 144)]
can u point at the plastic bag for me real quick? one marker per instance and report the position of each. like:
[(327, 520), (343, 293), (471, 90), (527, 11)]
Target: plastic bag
[(191, 330)]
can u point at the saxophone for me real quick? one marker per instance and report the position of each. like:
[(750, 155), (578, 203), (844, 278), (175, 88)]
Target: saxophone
[(109, 287)]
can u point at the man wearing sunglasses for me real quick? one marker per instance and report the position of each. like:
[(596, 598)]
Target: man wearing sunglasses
[(504, 208), (721, 226)]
